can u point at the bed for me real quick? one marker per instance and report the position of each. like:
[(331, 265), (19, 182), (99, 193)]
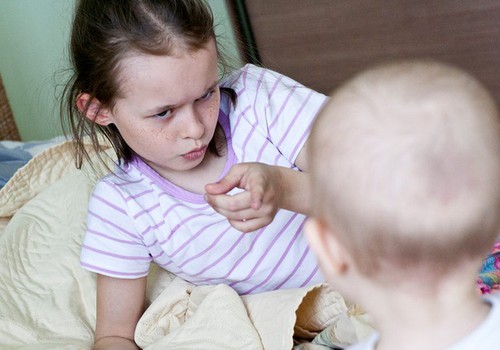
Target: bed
[(48, 302)]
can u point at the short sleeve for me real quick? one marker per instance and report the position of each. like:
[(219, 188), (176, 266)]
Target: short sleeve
[(282, 108), (112, 246)]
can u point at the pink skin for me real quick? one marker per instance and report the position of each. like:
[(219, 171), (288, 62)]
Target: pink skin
[(196, 153), (168, 111)]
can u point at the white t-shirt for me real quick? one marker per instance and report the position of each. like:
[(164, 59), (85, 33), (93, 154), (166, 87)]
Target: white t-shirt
[(486, 336), (137, 217)]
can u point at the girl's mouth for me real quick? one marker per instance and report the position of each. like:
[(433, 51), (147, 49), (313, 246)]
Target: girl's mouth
[(195, 153)]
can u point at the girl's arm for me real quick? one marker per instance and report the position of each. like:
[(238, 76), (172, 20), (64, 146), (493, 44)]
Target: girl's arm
[(296, 185), (120, 304)]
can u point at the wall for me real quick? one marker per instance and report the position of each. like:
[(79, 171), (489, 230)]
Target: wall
[(33, 36), (224, 31), (33, 58)]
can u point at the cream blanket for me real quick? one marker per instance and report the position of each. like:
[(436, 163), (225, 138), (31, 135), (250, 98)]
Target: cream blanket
[(48, 302)]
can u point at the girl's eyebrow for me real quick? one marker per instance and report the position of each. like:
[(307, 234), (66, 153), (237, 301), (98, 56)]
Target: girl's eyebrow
[(210, 88), (156, 110)]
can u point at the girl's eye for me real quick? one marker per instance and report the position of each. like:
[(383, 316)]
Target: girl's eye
[(163, 115)]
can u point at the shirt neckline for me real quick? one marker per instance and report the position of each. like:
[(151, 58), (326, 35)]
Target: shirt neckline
[(177, 191)]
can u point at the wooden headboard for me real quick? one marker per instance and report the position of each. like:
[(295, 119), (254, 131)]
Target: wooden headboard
[(321, 43), (8, 128)]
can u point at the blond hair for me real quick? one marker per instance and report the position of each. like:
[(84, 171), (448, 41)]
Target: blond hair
[(405, 164)]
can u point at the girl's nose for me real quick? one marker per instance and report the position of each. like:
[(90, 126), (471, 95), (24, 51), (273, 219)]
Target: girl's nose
[(193, 127)]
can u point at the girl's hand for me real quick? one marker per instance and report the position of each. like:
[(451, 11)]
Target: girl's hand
[(257, 205)]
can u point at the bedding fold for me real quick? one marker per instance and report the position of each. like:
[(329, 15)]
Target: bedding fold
[(48, 300)]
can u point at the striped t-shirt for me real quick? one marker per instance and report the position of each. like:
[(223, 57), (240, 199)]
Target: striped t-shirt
[(137, 217)]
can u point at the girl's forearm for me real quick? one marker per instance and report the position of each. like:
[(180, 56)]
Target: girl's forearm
[(295, 190)]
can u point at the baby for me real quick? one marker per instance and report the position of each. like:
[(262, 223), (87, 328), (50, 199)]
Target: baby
[(405, 169)]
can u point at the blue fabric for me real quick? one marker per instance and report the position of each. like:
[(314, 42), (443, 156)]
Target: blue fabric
[(11, 159), (15, 154)]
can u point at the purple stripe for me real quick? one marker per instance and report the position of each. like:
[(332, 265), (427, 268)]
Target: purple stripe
[(261, 151), (152, 244), (179, 225), (128, 182), (117, 189), (256, 238), (263, 147), (306, 282), (265, 252), (299, 111), (222, 257), (244, 74), (255, 113), (106, 221), (269, 96), (205, 250), (165, 266), (198, 206), (240, 116), (278, 264), (192, 238), (101, 234), (138, 195), (159, 224), (300, 143), (244, 146), (162, 252), (151, 228), (257, 89), (124, 257), (283, 106), (109, 204), (299, 263), (106, 271), (165, 214), (148, 210), (276, 159), (271, 92), (177, 272)]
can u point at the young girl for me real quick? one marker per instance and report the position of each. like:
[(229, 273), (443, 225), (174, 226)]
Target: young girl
[(210, 182)]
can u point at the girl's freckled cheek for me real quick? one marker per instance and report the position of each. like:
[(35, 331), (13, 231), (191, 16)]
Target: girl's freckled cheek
[(214, 109)]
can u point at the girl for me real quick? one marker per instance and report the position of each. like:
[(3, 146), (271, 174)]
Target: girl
[(209, 183)]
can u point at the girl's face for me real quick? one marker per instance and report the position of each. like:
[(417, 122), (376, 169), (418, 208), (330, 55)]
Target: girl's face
[(168, 110)]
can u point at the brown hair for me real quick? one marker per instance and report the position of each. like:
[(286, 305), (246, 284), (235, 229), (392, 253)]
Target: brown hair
[(103, 33)]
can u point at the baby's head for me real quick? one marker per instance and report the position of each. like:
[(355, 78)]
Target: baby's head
[(405, 168), (104, 33)]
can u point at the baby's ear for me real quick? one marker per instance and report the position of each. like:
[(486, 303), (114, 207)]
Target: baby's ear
[(93, 109), (332, 255)]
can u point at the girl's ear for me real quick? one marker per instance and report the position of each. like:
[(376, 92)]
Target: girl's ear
[(95, 111), (332, 256)]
